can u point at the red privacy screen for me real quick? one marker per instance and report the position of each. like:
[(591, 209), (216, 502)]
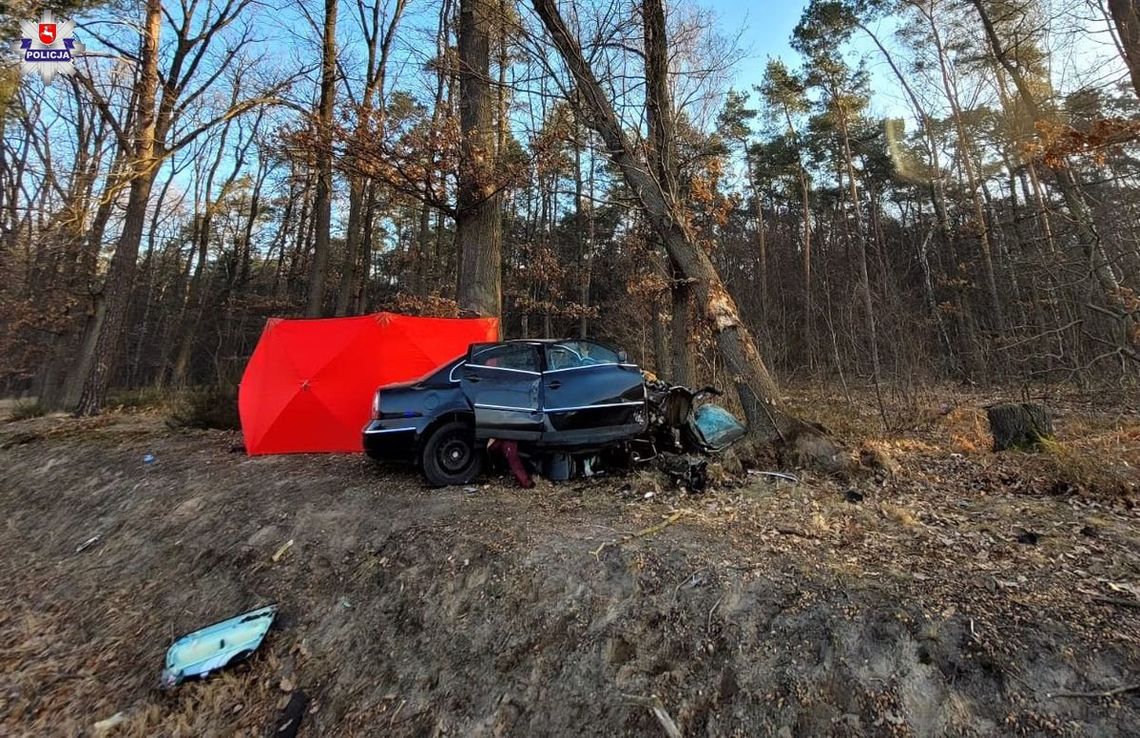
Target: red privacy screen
[(308, 385)]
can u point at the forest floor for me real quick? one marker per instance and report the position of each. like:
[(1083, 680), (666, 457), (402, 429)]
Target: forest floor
[(966, 593)]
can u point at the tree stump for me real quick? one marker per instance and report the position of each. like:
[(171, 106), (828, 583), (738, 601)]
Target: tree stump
[(1022, 426)]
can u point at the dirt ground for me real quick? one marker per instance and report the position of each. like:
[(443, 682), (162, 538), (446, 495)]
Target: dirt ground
[(965, 593)]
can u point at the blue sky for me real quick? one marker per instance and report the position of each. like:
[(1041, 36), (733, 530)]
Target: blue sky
[(765, 29)]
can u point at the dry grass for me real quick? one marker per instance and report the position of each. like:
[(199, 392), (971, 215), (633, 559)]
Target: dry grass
[(1096, 450), (1091, 457), (23, 410), (899, 514), (967, 430)]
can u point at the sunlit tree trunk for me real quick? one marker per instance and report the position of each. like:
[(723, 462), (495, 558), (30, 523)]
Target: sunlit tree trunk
[(322, 202), (99, 355), (479, 217)]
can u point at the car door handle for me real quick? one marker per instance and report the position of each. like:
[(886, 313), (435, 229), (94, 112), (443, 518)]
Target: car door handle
[(553, 385)]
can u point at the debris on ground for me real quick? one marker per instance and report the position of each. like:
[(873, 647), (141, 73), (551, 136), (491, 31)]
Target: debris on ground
[(103, 727), (778, 476), (282, 550), (687, 471), (1028, 537), (215, 646), (87, 544), (291, 717)]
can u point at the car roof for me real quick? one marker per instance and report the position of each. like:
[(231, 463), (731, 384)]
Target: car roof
[(539, 341)]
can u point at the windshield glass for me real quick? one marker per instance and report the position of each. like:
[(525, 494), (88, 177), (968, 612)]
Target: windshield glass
[(572, 354)]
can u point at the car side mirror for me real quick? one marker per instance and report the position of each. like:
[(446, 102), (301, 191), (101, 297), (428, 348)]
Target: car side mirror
[(623, 357)]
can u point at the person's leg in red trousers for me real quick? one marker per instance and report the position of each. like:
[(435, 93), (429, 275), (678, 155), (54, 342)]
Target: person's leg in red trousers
[(510, 451)]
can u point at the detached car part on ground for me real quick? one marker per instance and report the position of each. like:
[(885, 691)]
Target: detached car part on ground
[(215, 646), (552, 397), (684, 428)]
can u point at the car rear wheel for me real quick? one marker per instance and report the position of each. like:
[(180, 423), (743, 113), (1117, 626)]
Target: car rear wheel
[(450, 455)]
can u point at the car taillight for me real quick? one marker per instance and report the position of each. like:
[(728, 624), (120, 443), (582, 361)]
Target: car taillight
[(376, 405)]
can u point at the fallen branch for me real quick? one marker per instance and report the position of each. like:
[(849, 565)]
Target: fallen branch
[(642, 533), (1097, 695), (658, 709), (789, 531), (777, 475)]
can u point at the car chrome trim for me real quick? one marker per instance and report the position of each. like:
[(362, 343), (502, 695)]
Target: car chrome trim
[(390, 430), (592, 407), (506, 407), (584, 366), (451, 374), (503, 369)]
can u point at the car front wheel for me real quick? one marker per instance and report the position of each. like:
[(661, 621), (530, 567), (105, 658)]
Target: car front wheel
[(450, 455)]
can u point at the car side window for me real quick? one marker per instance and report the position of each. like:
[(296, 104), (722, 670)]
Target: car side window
[(519, 356), (571, 354)]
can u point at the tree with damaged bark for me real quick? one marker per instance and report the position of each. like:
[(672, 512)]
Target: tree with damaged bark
[(653, 188)]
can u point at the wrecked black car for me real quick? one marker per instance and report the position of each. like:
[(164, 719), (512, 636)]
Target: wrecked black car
[(572, 395), (557, 400)]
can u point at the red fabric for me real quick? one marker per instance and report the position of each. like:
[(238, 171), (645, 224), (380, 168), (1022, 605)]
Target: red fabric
[(308, 385), (510, 451)]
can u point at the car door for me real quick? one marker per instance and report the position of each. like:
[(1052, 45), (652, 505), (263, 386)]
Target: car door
[(502, 383), (590, 394)]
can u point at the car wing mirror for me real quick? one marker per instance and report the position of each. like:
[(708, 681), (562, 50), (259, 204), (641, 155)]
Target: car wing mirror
[(623, 357)]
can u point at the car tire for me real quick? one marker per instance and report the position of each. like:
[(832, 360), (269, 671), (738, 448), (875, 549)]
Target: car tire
[(450, 455)]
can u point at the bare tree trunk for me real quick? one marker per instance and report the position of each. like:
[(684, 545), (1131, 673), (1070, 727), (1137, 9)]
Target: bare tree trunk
[(761, 239), (322, 205), (660, 338), (371, 123), (193, 305), (588, 260), (106, 332), (361, 299), (350, 265), (479, 218), (663, 165), (423, 272)]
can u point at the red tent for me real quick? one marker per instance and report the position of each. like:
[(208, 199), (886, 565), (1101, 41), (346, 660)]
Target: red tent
[(309, 384)]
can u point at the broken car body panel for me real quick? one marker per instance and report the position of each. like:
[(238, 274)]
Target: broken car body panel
[(714, 429), (197, 654)]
